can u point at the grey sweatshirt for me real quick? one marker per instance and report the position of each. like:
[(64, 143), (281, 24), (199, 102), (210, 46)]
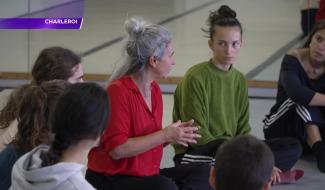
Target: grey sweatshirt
[(27, 174)]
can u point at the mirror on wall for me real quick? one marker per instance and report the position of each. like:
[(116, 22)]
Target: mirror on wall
[(268, 33)]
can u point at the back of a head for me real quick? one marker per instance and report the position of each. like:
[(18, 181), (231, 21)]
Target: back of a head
[(80, 114), (223, 17), (35, 107), (54, 63), (244, 163), (144, 40)]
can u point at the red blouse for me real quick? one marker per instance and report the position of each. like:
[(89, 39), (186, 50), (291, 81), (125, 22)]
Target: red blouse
[(129, 117)]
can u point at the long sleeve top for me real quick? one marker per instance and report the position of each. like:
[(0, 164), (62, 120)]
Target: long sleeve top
[(295, 84), (217, 101)]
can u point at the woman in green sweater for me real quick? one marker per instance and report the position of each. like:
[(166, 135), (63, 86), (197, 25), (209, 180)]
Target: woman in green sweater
[(215, 95)]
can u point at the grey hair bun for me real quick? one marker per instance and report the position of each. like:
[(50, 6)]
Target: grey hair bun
[(135, 26)]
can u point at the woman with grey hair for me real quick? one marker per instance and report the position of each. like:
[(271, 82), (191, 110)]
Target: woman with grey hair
[(131, 148)]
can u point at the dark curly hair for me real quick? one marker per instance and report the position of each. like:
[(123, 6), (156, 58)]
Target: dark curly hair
[(10, 111), (35, 107)]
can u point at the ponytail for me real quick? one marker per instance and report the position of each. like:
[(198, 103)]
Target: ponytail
[(54, 154), (31, 119), (10, 111), (35, 106)]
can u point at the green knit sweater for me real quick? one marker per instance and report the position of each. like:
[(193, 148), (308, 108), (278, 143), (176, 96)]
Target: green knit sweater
[(217, 100)]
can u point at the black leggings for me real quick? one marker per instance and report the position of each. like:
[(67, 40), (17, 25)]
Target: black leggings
[(190, 177)]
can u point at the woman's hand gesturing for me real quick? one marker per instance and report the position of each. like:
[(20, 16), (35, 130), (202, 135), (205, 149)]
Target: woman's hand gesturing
[(182, 133)]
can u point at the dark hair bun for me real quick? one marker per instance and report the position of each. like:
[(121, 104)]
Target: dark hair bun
[(225, 11), (223, 17)]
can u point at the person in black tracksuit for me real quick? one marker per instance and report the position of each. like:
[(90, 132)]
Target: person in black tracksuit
[(300, 103)]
